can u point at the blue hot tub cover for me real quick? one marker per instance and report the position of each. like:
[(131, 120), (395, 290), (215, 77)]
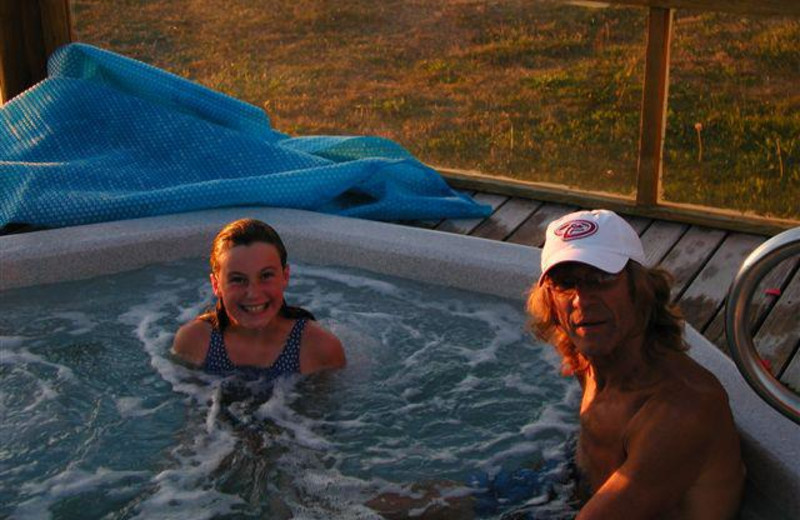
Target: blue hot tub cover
[(106, 137)]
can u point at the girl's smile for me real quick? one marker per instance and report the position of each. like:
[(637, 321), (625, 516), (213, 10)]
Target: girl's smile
[(251, 282)]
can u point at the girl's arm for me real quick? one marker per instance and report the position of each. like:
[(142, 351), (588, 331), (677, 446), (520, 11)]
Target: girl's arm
[(191, 342), (320, 350)]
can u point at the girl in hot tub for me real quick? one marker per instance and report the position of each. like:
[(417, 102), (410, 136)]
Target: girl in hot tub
[(252, 332)]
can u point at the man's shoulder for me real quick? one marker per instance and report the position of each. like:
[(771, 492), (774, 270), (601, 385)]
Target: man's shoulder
[(688, 380), (688, 393)]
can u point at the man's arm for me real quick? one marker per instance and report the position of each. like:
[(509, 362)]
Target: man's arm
[(667, 446)]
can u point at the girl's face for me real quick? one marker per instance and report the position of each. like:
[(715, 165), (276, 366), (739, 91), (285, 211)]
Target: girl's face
[(251, 282)]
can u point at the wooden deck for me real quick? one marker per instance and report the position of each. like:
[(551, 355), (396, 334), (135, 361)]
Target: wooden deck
[(703, 261)]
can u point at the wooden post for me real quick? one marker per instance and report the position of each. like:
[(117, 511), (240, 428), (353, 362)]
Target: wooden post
[(30, 30), (654, 106)]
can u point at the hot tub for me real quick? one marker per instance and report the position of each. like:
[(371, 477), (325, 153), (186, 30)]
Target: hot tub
[(771, 442)]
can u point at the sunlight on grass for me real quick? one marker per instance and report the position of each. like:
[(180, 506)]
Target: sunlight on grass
[(733, 134), (533, 90)]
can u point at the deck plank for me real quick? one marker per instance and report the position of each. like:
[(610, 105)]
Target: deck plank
[(705, 294), (639, 224), (464, 226), (690, 254), (791, 377), (761, 304), (531, 232), (777, 338), (506, 219), (659, 239)]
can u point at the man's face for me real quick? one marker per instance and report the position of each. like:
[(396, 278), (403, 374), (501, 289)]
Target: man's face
[(594, 308)]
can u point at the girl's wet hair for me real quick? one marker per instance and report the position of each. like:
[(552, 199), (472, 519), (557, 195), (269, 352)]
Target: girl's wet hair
[(244, 232)]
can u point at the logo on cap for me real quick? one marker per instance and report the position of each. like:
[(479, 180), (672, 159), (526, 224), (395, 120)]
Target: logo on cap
[(575, 229)]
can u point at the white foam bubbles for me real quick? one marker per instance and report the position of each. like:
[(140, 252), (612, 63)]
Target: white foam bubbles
[(10, 342), (134, 407), (301, 428), (24, 357), (183, 491), (554, 421), (81, 323), (68, 483), (353, 280), (29, 367), (188, 312)]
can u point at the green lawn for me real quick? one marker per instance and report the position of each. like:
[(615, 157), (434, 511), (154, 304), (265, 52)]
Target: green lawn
[(534, 90)]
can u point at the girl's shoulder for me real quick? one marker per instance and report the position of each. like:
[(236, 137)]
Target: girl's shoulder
[(191, 341), (320, 349)]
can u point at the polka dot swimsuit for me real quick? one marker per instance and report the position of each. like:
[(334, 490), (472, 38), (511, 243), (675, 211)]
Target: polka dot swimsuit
[(217, 361)]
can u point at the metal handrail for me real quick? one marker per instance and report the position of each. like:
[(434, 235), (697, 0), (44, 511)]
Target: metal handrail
[(760, 262)]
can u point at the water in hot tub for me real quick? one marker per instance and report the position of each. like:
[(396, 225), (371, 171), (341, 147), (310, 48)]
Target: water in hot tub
[(445, 399)]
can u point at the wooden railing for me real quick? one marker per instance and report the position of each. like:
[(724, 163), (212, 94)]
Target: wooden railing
[(783, 7), (31, 29)]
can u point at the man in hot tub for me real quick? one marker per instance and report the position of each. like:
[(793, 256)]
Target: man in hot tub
[(657, 439)]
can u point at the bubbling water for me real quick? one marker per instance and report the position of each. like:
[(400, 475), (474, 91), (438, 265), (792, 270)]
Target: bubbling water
[(444, 394)]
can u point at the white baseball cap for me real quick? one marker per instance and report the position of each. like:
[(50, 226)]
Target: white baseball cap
[(599, 238)]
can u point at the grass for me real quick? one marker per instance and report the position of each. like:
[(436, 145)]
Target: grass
[(541, 91)]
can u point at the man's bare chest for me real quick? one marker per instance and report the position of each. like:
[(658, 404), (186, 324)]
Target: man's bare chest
[(602, 441)]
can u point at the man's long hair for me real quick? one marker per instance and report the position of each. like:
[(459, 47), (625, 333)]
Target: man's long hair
[(650, 290), (243, 233)]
